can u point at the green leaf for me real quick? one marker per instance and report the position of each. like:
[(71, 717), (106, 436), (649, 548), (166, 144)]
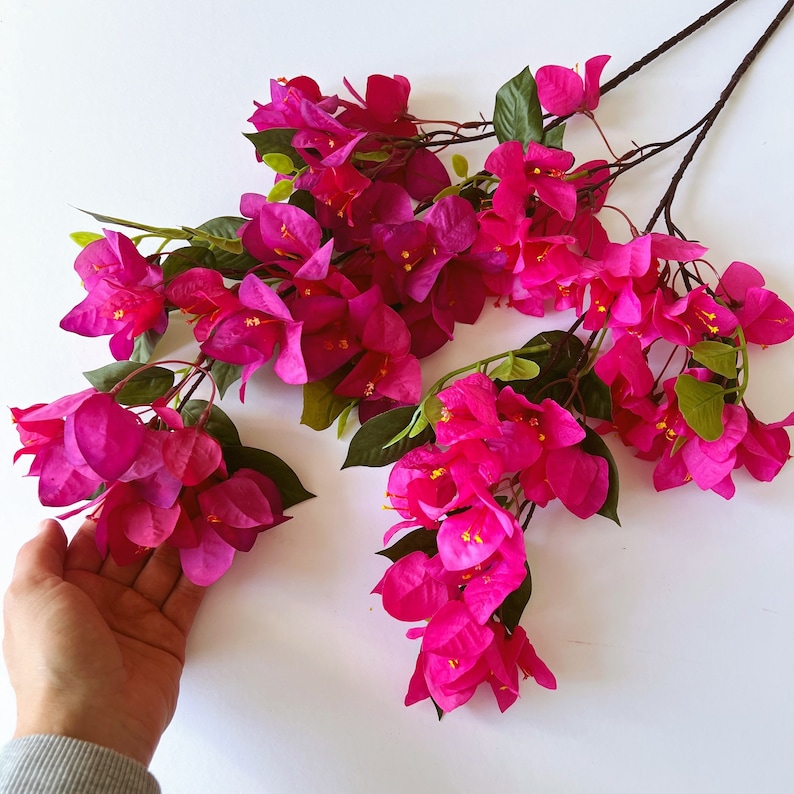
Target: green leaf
[(225, 228), (276, 141), (161, 231), (701, 406), (514, 368), (367, 445), (142, 388), (218, 425), (451, 190), (280, 163), (288, 483), (280, 191), (555, 364), (378, 156), (321, 406), (717, 356), (233, 245), (553, 137), (595, 445), (418, 426), (303, 200), (343, 417), (433, 410), (144, 345), (84, 238), (225, 375), (416, 540), (513, 606), (596, 396), (185, 258), (460, 165), (517, 115)]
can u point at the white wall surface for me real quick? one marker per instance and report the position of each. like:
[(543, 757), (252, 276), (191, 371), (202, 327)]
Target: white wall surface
[(672, 637)]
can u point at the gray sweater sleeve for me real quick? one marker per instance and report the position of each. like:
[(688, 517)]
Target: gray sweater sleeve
[(62, 765)]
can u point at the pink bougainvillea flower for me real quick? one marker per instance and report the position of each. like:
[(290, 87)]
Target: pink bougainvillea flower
[(285, 235), (249, 336), (284, 109), (764, 317), (765, 448), (469, 410), (322, 140), (224, 518), (562, 92), (191, 454), (108, 435), (691, 318), (458, 655), (115, 257), (387, 368), (384, 107), (409, 592), (202, 293), (540, 170)]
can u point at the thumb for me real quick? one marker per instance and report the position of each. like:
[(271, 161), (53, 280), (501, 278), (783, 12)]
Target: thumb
[(43, 556)]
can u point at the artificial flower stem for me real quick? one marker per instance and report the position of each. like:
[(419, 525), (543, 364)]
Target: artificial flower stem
[(667, 199)]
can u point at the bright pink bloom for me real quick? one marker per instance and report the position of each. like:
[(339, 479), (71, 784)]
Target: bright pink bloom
[(764, 317), (692, 318), (562, 92), (469, 410), (384, 108), (765, 448), (202, 293), (284, 109), (249, 336), (540, 170)]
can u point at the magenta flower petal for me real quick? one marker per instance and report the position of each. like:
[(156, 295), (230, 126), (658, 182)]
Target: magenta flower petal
[(560, 90), (409, 593), (145, 524), (208, 561), (237, 502), (580, 480), (191, 454), (60, 483), (592, 77), (452, 632), (108, 435)]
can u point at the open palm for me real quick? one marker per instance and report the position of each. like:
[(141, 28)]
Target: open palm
[(95, 650)]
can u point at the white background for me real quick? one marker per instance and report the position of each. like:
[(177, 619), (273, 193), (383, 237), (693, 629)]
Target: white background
[(672, 637)]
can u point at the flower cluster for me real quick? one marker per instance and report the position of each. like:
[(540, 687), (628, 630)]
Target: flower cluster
[(358, 263)]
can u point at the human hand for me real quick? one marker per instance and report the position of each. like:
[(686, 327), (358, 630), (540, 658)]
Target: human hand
[(95, 651)]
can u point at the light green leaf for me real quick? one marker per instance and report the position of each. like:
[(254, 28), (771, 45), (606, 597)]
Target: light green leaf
[(517, 115), (460, 165), (280, 163), (513, 368), (378, 156), (341, 423), (84, 238), (717, 356), (452, 190), (418, 426), (280, 191), (701, 405), (433, 409), (234, 245)]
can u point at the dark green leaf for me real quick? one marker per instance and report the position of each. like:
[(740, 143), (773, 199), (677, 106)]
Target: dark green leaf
[(288, 484), (185, 258), (225, 375), (143, 388), (701, 406), (225, 228), (218, 425), (439, 710), (553, 137), (321, 407), (416, 540), (517, 115), (717, 356), (555, 364), (276, 141), (596, 396), (367, 445), (144, 345), (595, 445), (513, 606), (303, 200)]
